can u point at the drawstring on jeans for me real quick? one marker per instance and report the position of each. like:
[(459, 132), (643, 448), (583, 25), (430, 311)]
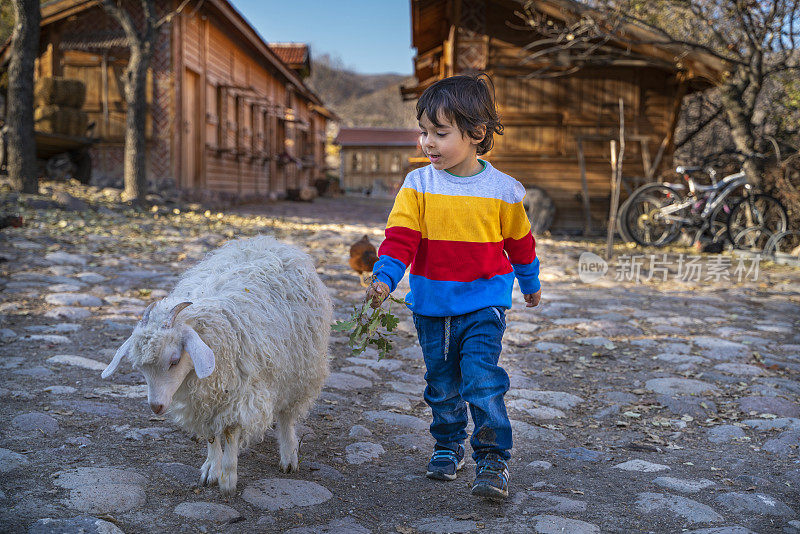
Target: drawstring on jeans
[(446, 337)]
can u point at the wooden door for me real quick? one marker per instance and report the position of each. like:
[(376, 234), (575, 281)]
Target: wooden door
[(191, 129)]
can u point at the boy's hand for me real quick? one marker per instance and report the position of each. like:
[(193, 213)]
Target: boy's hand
[(378, 292), (532, 300)]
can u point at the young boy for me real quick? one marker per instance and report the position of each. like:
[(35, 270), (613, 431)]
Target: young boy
[(461, 226)]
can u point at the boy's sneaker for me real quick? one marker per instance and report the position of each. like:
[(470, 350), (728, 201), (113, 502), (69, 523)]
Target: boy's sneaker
[(491, 477), (445, 462)]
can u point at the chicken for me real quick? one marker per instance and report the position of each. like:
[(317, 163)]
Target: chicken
[(363, 256), (10, 220)]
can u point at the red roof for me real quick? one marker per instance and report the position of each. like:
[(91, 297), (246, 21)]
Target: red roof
[(290, 53), (376, 137)]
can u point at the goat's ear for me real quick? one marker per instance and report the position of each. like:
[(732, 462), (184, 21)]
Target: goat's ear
[(201, 354), (121, 352)]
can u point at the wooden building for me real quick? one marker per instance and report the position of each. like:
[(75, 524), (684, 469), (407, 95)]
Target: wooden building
[(376, 159), (226, 114), (550, 121)]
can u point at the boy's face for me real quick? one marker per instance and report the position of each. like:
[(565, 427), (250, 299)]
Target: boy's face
[(447, 147)]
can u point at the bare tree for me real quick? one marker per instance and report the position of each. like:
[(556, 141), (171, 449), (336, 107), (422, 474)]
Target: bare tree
[(20, 139), (141, 42), (751, 41)]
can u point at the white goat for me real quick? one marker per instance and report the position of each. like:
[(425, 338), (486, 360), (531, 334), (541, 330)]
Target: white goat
[(240, 341)]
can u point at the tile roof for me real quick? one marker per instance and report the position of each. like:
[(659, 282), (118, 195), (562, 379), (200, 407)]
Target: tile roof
[(376, 137), (290, 53)]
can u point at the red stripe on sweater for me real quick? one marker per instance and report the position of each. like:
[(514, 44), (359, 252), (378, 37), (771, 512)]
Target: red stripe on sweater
[(521, 250), (459, 261), (401, 243)]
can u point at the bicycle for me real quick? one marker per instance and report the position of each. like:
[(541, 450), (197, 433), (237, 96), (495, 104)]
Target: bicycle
[(656, 213)]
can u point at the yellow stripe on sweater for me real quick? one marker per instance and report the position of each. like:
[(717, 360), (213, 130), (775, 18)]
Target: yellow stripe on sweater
[(458, 218), (406, 210)]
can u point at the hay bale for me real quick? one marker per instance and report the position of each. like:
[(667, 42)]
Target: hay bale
[(47, 92), (77, 120), (75, 93), (54, 91), (44, 90), (53, 119)]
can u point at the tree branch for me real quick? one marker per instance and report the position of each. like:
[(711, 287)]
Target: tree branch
[(669, 39), (707, 23), (122, 16), (700, 127), (168, 18)]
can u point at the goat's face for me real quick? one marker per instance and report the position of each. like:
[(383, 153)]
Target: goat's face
[(165, 366), (165, 354)]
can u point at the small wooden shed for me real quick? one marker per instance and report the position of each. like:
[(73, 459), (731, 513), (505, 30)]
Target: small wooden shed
[(226, 114), (375, 158), (547, 119)]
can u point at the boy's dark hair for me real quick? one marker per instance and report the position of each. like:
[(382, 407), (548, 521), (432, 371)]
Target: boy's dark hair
[(468, 102)]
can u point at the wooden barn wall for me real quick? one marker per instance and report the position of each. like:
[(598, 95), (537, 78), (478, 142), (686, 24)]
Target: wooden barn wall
[(543, 118), (108, 155), (100, 92), (252, 121)]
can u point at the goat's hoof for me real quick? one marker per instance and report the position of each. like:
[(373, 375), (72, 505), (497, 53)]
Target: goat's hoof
[(227, 485), (289, 468), (207, 476)]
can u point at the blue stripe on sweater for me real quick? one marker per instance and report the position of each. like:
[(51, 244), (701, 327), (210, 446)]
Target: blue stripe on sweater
[(389, 271), (528, 276), (437, 298)]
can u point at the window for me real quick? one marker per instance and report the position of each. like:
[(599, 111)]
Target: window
[(374, 165), (265, 129), (395, 166), (357, 161)]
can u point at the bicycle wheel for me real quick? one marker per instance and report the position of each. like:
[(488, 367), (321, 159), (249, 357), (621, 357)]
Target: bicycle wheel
[(717, 229), (764, 213), (652, 217), (752, 238), (785, 245)]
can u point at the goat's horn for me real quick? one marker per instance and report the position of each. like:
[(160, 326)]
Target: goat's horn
[(174, 313), (146, 314)]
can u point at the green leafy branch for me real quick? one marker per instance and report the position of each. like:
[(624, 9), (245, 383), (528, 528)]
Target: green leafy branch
[(364, 327)]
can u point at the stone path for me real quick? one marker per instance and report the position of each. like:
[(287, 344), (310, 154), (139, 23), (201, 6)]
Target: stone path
[(658, 407)]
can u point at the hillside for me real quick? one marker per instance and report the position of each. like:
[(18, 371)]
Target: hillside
[(362, 99)]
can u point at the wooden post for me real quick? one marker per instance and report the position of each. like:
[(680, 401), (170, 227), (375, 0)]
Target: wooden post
[(454, 25), (646, 162), (202, 183), (616, 162), (587, 225), (104, 81), (179, 34)]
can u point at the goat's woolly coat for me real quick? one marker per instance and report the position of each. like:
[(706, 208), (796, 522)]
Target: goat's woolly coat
[(262, 309)]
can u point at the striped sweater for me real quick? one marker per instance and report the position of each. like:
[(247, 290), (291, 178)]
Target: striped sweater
[(465, 239)]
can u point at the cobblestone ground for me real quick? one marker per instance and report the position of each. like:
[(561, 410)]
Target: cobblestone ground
[(644, 406)]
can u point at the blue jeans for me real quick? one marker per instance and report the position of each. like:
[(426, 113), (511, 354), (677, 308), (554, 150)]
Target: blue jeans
[(467, 373)]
